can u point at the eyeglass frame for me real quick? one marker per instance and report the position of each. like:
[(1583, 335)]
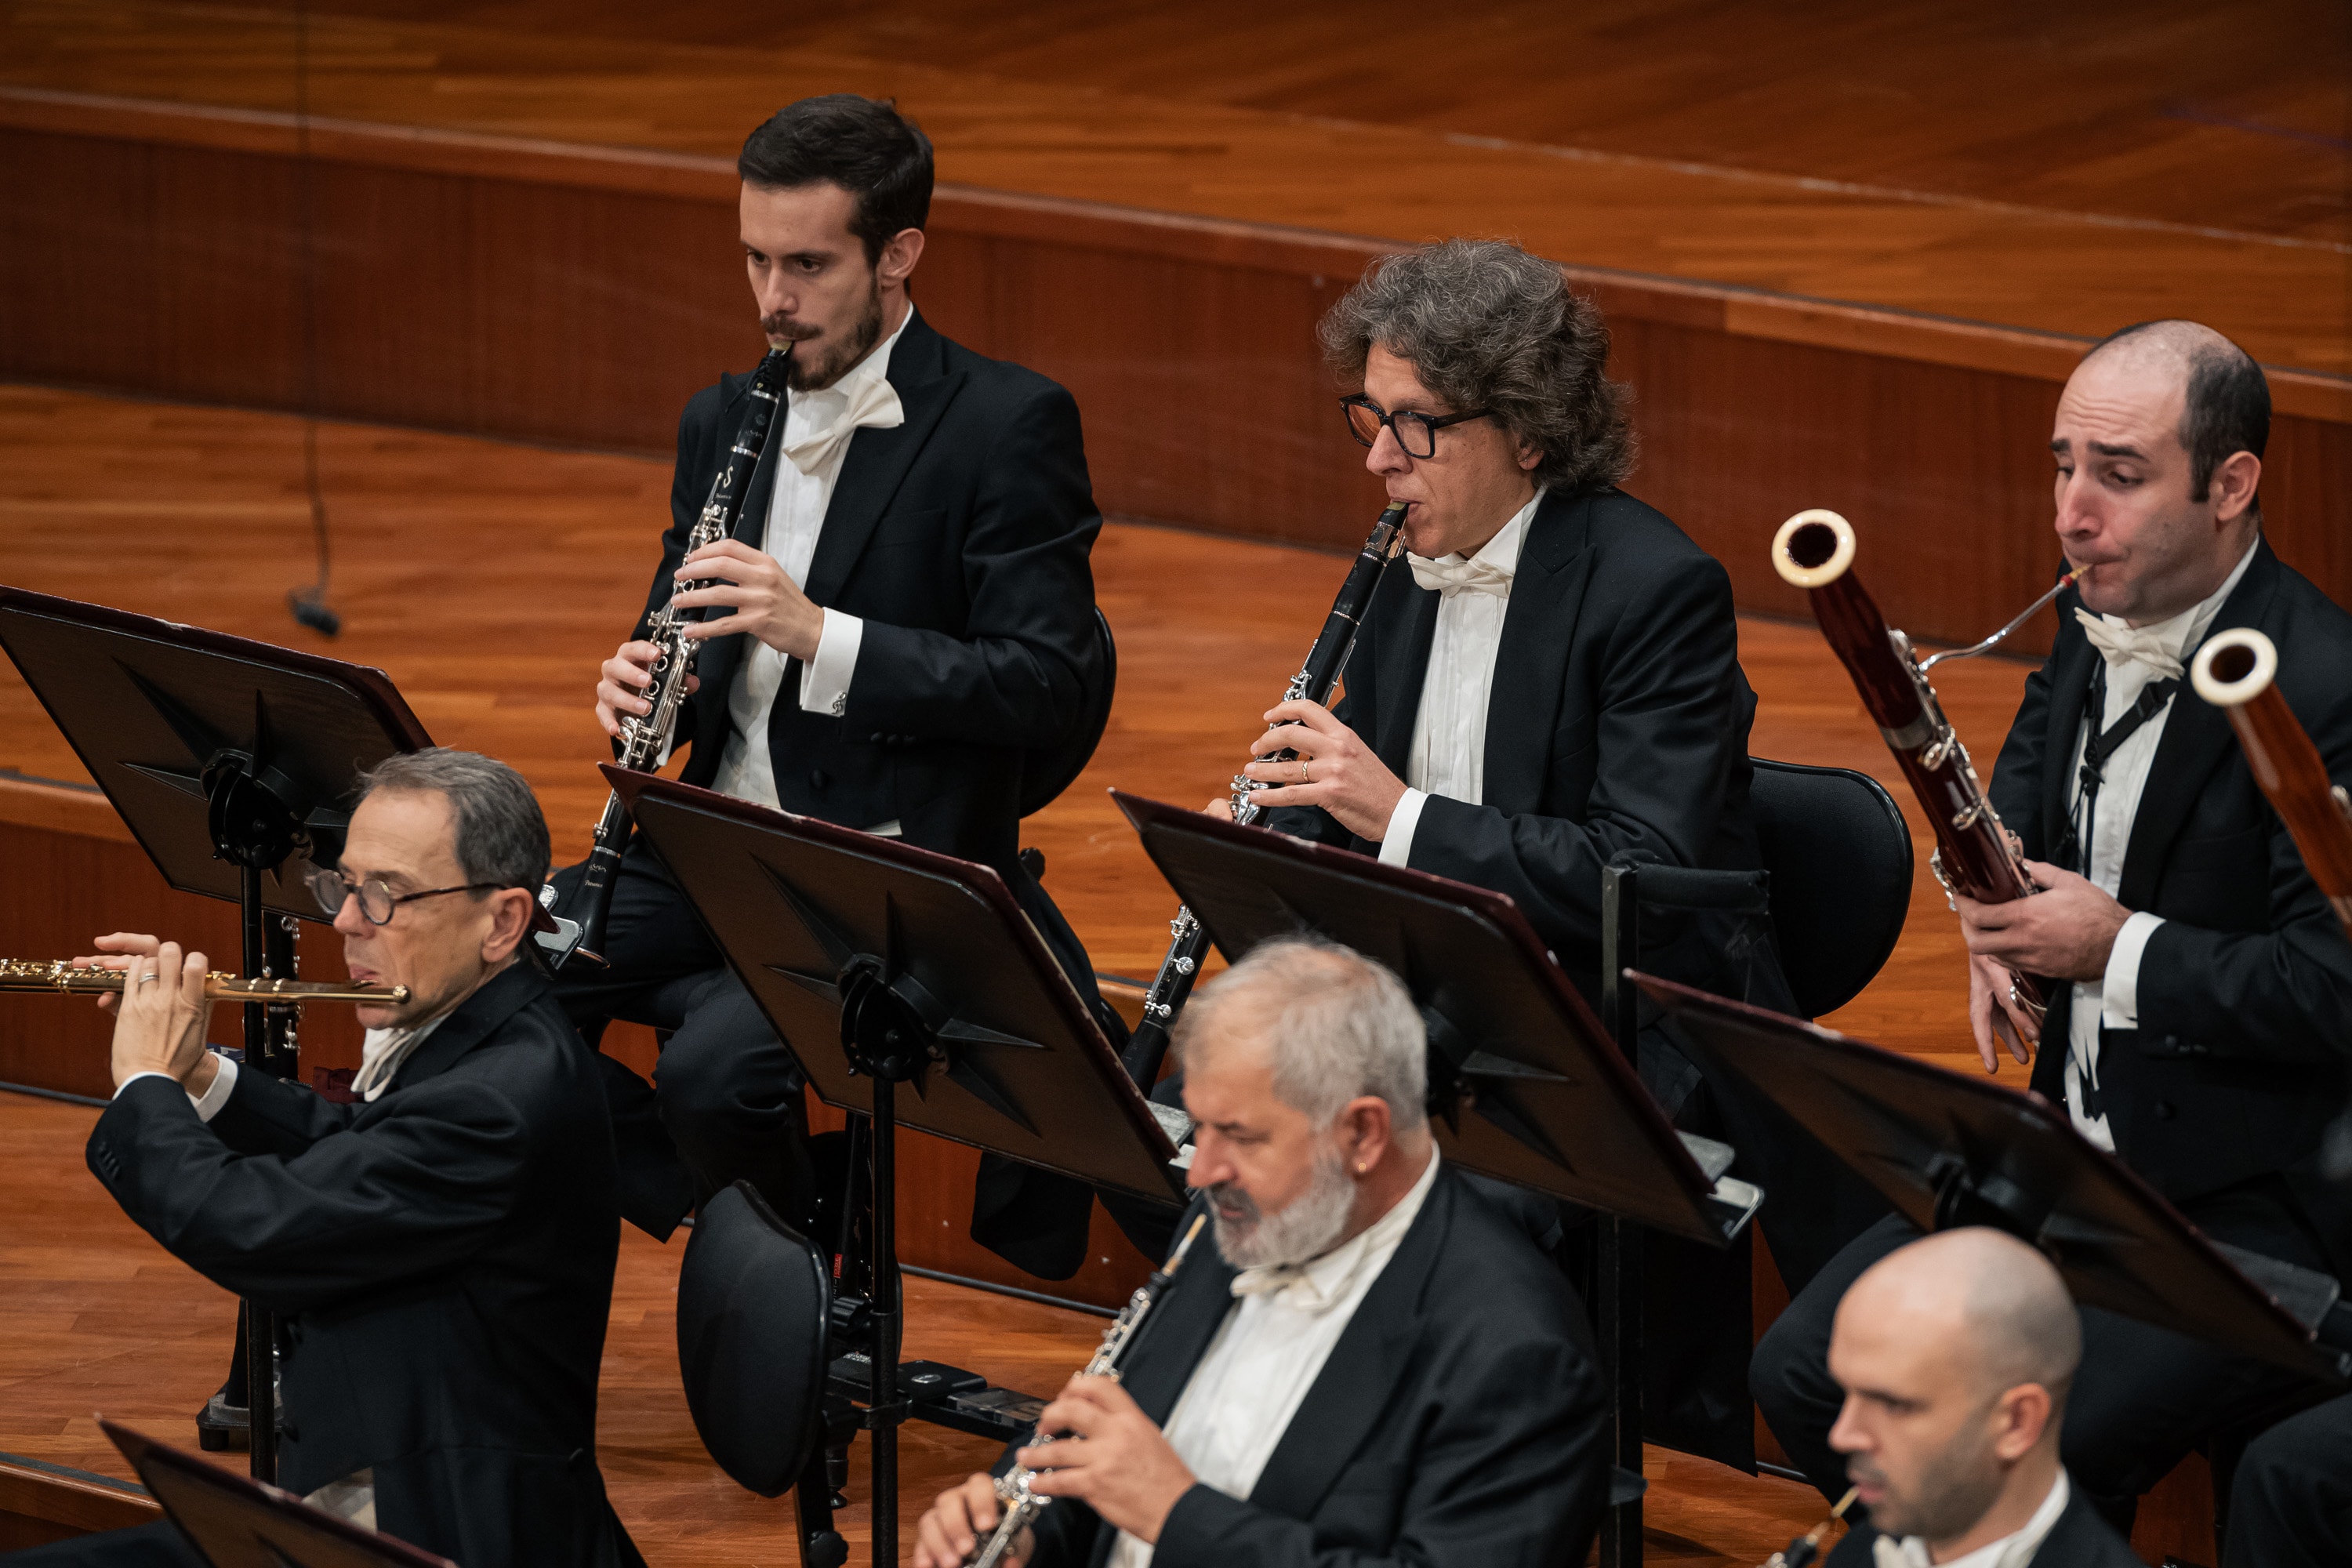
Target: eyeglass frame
[(321, 875), (1436, 422)]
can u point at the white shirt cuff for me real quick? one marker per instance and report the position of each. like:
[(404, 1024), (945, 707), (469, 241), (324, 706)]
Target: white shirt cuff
[(1396, 844), (825, 679), (209, 1103), (2120, 989)]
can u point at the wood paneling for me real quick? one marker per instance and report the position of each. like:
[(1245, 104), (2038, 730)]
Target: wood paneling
[(40, 1503)]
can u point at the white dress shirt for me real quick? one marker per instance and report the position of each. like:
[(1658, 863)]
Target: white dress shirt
[(1238, 1402), (1449, 733), (2010, 1551), (2116, 998), (819, 424)]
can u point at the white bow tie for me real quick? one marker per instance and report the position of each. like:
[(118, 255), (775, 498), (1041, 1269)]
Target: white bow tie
[(1887, 1553), (1454, 575), (2121, 646), (875, 405), (1276, 1280)]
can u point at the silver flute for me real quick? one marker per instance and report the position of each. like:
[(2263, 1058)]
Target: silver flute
[(1021, 1506)]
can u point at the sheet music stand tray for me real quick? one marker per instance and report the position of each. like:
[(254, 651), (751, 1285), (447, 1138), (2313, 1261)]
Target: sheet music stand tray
[(883, 965), (232, 762), (236, 1522), (1951, 1149)]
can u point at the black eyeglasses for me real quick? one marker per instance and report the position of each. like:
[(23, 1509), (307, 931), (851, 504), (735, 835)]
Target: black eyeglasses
[(1416, 433), (377, 900)]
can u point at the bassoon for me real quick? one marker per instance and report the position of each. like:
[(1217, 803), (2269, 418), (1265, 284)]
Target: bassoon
[(2237, 671), (1326, 660), (645, 738), (1974, 856)]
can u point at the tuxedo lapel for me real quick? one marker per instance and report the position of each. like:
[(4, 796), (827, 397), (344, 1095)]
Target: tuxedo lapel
[(1400, 669), (1177, 1334), (1531, 659), (1367, 1366), (2195, 741), (502, 996), (879, 459), (2069, 686)]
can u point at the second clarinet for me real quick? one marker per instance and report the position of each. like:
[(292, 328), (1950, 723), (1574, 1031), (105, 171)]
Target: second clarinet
[(646, 739), (1317, 679)]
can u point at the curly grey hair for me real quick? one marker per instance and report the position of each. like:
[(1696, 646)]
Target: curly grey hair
[(1487, 325)]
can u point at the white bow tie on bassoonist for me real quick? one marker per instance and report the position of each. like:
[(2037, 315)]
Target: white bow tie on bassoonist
[(1886, 1553), (2125, 644), (874, 405), (1452, 576)]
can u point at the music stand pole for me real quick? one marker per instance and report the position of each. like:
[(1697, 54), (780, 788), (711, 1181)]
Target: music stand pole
[(260, 1324), (1619, 1263), (885, 1409)]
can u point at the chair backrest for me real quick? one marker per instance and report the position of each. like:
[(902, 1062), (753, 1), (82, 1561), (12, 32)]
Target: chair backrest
[(1046, 771), (1841, 860), (754, 1298)]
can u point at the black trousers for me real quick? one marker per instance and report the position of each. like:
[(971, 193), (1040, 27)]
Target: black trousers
[(2142, 1399), (729, 1102), (2291, 1505)]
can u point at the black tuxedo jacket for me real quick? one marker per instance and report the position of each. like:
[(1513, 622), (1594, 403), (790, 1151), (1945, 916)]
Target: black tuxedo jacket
[(443, 1258), (1617, 722), (2245, 992), (961, 538), (1461, 1418), (2080, 1539)]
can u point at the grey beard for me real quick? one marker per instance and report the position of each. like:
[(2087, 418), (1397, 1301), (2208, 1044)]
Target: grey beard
[(1300, 1230)]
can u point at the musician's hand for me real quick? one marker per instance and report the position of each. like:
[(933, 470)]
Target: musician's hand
[(115, 952), (761, 599), (159, 1027), (1335, 770), (959, 1522), (2065, 931), (1114, 1459), (1993, 1017), (625, 677)]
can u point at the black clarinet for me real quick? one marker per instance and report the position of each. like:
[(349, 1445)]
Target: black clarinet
[(645, 739), (1325, 661)]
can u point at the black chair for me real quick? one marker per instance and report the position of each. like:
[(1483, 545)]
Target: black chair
[(1046, 771), (755, 1307), (1840, 857)]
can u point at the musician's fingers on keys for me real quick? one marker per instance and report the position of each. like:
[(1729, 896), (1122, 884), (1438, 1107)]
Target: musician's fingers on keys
[(2065, 931), (1994, 1018), (116, 951), (162, 1017), (1114, 1457), (952, 1531), (1334, 769), (756, 596), (625, 675)]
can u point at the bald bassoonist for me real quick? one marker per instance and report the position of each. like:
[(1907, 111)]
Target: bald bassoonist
[(1814, 550)]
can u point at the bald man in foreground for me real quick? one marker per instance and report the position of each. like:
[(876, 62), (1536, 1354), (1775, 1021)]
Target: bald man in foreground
[(1956, 1354), (2199, 985)]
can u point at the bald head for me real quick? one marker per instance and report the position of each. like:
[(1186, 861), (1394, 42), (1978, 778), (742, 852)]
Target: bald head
[(2225, 399), (1995, 1296)]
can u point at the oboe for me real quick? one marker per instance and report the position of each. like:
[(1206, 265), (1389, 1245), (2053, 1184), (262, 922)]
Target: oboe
[(27, 974), (1803, 1552), (645, 738), (1021, 1506), (1973, 855), (1326, 660)]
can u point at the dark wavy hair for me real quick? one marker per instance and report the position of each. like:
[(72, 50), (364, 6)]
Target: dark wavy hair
[(1487, 325), (862, 144)]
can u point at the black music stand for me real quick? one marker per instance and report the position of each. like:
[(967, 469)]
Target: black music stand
[(880, 965), (232, 762), (234, 1523), (1949, 1149), (1526, 1085)]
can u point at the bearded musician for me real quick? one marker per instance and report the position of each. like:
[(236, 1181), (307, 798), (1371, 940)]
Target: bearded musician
[(2199, 985), (1377, 1365), (906, 608)]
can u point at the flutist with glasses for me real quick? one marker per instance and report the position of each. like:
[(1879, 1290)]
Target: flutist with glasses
[(440, 1252)]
